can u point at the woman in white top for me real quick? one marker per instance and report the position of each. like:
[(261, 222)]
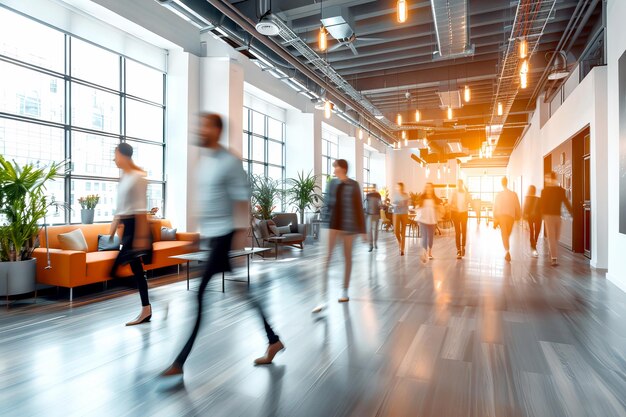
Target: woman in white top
[(428, 203), (459, 204), (131, 215)]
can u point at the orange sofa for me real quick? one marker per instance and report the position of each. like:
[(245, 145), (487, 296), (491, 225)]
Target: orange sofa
[(71, 269)]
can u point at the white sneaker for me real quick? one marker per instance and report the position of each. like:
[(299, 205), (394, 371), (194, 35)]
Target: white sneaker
[(535, 253), (318, 309)]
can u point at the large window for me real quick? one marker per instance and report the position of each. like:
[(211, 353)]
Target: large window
[(263, 146), (484, 187), (330, 151), (62, 98), (367, 157)]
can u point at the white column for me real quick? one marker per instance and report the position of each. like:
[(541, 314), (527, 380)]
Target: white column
[(358, 155), (300, 143), (318, 118), (221, 86), (346, 151)]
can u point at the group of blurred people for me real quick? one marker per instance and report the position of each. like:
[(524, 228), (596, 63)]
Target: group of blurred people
[(223, 211)]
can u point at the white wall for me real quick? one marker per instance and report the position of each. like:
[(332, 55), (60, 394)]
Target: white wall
[(616, 45), (402, 168), (586, 105)]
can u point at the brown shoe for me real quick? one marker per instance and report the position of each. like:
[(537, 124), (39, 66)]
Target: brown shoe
[(173, 370), (143, 317), (272, 350)]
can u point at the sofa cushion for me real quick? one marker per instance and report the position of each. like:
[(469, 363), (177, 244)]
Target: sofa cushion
[(168, 234), (283, 230), (273, 229), (292, 237), (161, 252), (105, 244), (74, 240), (99, 265)]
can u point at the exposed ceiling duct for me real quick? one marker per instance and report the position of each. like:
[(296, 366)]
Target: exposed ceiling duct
[(531, 18), (559, 68), (451, 28), (450, 99)]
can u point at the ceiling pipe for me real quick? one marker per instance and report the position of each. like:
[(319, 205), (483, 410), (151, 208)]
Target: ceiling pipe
[(566, 36), (233, 14)]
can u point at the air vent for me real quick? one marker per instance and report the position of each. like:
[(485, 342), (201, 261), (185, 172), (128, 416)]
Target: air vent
[(450, 99)]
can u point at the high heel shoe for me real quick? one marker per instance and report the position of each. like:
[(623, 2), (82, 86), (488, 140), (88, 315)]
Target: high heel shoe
[(143, 317)]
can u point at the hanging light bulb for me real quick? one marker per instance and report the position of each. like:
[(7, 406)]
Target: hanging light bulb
[(406, 142), (523, 80), (449, 113), (328, 107), (438, 172), (360, 134), (399, 119), (399, 145), (404, 134), (500, 111), (466, 94), (402, 9), (524, 67), (395, 145), (369, 140), (418, 116), (322, 40), (523, 49)]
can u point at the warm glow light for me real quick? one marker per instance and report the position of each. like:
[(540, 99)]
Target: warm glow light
[(523, 49), (524, 68), (449, 113), (399, 145), (402, 11), (438, 173), (418, 116), (395, 145), (322, 40), (327, 109), (360, 134), (406, 142), (369, 140), (404, 134), (523, 79), (399, 119), (466, 94), (500, 111)]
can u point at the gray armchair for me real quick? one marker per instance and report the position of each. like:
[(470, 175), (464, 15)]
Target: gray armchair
[(295, 236)]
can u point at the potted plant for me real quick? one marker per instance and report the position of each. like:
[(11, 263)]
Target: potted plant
[(87, 206), (23, 205), (265, 191), (304, 192)]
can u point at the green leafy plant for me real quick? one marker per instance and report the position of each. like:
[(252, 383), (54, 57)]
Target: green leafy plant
[(304, 192), (414, 198), (22, 206), (89, 202), (265, 191)]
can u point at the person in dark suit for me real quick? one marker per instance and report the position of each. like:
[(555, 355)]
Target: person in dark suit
[(532, 214)]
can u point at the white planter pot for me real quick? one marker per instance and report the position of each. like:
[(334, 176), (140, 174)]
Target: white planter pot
[(18, 277)]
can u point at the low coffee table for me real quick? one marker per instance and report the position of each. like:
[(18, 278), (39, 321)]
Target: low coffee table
[(203, 256)]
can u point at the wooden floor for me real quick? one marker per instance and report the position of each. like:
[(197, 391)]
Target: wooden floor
[(477, 337)]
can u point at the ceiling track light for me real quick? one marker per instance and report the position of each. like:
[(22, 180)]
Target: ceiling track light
[(500, 110), (322, 39), (402, 9), (466, 94)]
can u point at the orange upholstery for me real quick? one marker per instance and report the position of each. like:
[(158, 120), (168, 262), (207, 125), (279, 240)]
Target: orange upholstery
[(74, 268)]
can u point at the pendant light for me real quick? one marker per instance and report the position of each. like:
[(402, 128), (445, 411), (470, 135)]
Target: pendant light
[(524, 67), (523, 49), (523, 80), (399, 119), (418, 116), (322, 39), (402, 10), (439, 172), (404, 134), (369, 140), (466, 94), (500, 110), (328, 107), (449, 113), (360, 134)]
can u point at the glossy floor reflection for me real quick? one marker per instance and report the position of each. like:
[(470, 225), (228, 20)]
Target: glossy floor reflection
[(477, 337)]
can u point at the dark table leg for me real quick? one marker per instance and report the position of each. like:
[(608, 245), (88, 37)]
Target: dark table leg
[(248, 258), (223, 279), (276, 248), (187, 268)]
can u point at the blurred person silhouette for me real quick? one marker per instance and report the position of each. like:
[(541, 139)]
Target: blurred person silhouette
[(132, 218), (427, 205), (552, 199), (223, 199), (373, 204), (401, 201), (506, 210), (459, 203), (531, 212), (345, 212)]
